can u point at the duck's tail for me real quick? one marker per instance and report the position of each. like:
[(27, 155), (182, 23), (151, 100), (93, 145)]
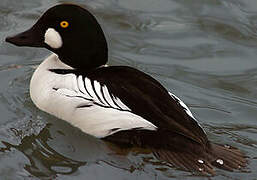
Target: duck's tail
[(184, 153), (219, 156)]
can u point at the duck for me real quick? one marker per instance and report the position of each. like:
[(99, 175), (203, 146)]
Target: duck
[(118, 104)]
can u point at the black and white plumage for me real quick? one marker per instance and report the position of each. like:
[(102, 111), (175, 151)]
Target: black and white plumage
[(75, 97), (116, 103)]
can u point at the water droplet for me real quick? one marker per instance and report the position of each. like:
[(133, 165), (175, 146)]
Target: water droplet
[(200, 161), (226, 146), (220, 161)]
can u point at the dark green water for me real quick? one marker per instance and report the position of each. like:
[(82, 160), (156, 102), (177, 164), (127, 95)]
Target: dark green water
[(204, 51)]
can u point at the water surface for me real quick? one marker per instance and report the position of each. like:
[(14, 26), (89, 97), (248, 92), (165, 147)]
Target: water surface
[(202, 51)]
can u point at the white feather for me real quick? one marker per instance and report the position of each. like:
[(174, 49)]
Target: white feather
[(182, 104), (89, 88), (185, 108), (81, 87), (98, 92), (108, 97), (120, 104)]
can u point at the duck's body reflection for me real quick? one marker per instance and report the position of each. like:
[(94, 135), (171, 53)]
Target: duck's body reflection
[(54, 151)]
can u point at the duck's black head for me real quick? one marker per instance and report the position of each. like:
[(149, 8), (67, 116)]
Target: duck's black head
[(71, 32)]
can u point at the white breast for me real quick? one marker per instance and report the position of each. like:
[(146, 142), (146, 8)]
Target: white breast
[(81, 102)]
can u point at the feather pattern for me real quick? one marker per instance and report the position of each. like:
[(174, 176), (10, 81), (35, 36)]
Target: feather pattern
[(186, 109), (82, 101), (92, 91), (106, 92)]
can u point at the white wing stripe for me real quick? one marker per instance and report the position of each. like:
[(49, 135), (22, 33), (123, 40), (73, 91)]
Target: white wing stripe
[(108, 97), (82, 87), (102, 92), (120, 104), (86, 88), (89, 88), (98, 92), (114, 101)]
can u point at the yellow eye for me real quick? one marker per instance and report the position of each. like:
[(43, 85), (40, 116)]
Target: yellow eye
[(64, 24)]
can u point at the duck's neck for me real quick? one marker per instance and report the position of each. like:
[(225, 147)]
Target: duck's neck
[(52, 62), (84, 55)]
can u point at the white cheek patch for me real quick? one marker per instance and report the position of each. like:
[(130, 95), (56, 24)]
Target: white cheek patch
[(53, 38)]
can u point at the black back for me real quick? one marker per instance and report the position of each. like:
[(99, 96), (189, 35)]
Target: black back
[(147, 98)]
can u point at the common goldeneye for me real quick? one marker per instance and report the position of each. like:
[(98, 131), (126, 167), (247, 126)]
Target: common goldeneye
[(116, 103)]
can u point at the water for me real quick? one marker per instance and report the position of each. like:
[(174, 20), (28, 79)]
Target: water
[(202, 51)]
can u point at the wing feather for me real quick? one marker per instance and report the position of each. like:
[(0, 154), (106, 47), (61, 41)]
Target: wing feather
[(147, 98), (125, 88)]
